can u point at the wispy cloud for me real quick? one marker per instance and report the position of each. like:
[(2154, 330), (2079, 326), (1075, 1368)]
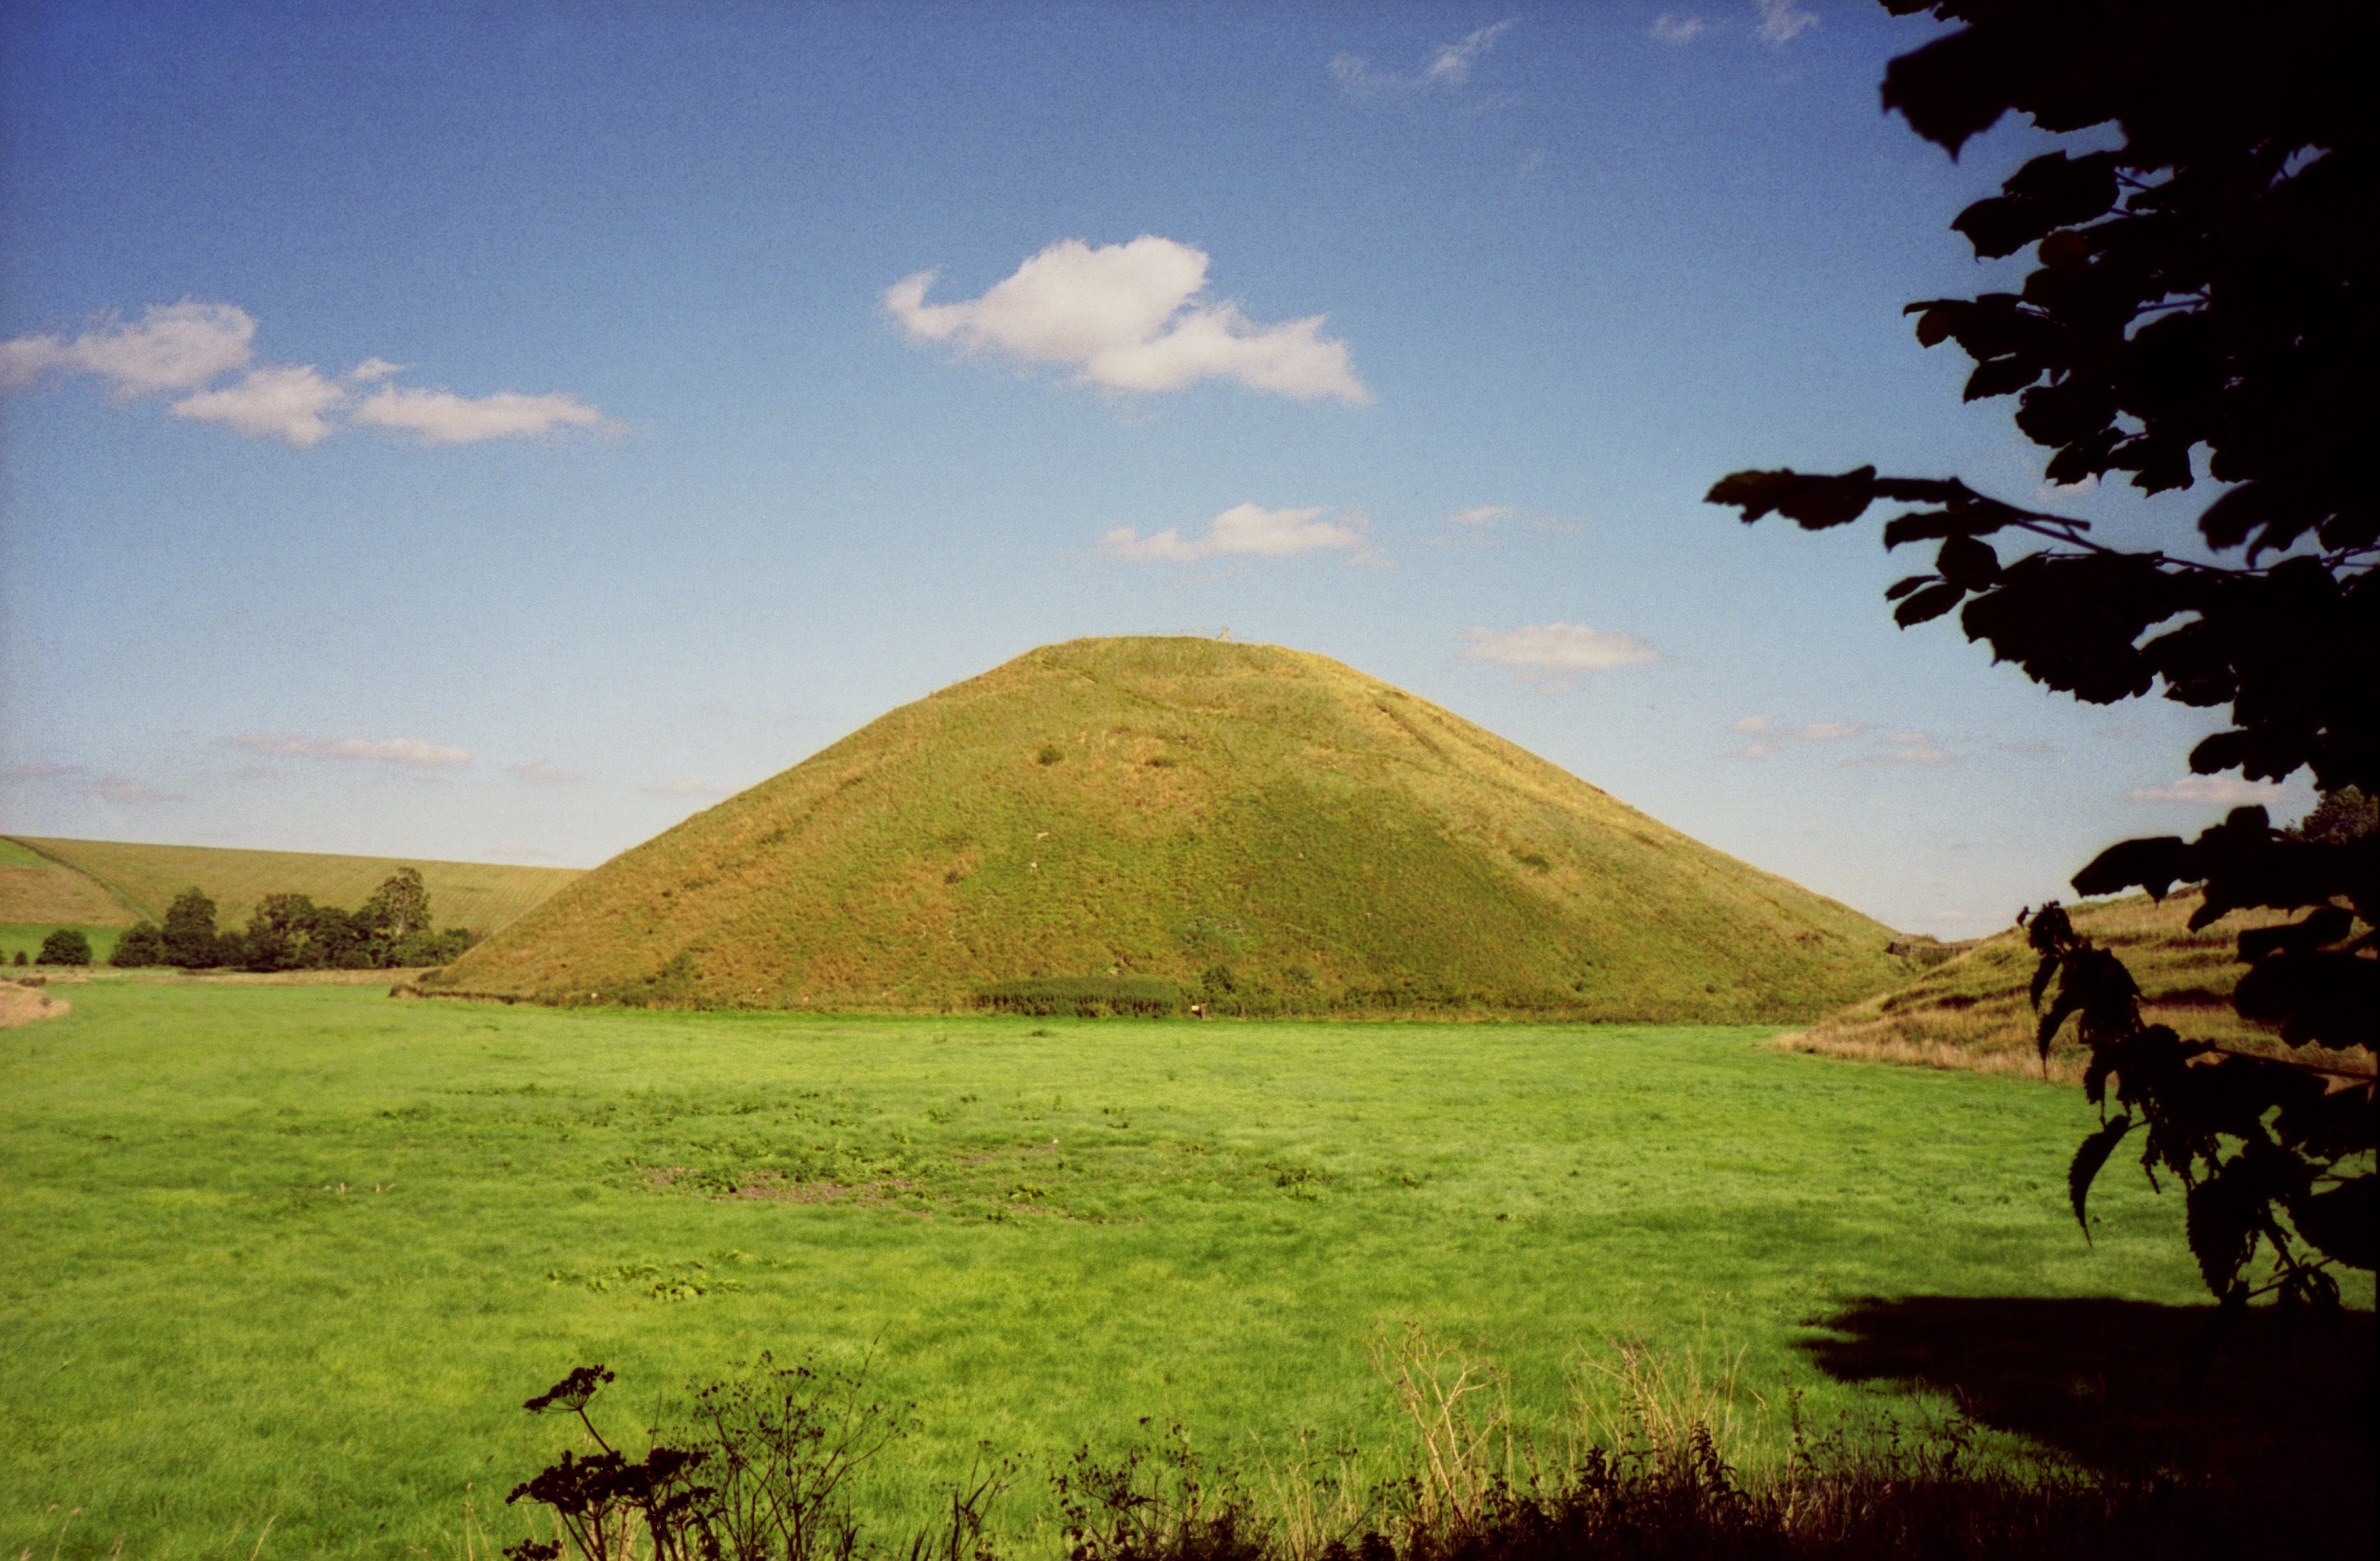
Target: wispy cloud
[(1781, 21), (119, 789), (1551, 654), (540, 773), (1904, 748), (42, 771), (1753, 750), (686, 789), (184, 349), (2217, 790), (1481, 514), (1447, 66), (1243, 531), (1830, 731), (1749, 724), (1671, 28), (1130, 318), (442, 417), (407, 751)]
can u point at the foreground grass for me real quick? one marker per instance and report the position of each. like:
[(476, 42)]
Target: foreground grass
[(298, 1252)]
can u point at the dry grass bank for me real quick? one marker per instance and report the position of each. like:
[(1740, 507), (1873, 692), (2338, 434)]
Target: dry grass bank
[(1972, 1009)]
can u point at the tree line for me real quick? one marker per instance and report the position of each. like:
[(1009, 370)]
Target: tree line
[(290, 932)]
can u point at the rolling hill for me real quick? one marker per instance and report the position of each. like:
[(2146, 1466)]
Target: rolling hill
[(1972, 1009), (1265, 828), (112, 884)]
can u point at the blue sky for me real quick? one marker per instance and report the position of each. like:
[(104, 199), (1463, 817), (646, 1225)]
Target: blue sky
[(496, 431)]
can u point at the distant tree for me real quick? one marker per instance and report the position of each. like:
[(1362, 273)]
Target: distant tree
[(2198, 286), (397, 909), (67, 945), (189, 936), (2341, 817), (141, 945), (340, 941), (20, 956), (281, 934)]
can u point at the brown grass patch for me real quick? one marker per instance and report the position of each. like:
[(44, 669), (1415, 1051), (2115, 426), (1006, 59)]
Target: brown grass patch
[(1972, 1011), (26, 1004)]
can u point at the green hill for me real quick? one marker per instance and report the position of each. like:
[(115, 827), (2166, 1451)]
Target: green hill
[(1267, 827), (115, 883)]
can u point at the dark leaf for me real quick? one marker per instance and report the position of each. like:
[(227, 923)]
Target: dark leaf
[(2216, 1223), (2153, 863), (1968, 563), (2001, 376), (1902, 587), (2338, 1223), (1929, 603), (2084, 1169), (1814, 502)]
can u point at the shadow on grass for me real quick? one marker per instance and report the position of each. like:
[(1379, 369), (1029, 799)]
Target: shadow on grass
[(2276, 1411)]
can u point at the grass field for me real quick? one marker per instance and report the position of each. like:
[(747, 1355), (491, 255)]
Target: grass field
[(133, 880), (296, 1252), (28, 935)]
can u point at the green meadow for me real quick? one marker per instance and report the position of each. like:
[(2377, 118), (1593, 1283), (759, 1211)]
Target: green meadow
[(297, 1254)]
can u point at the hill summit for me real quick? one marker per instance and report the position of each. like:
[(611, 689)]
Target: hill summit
[(1264, 828)]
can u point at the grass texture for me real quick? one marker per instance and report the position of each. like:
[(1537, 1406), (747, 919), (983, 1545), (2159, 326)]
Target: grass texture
[(297, 1252), (126, 881), (1974, 1010), (1174, 808)]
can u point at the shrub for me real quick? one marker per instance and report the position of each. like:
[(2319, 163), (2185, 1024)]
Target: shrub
[(189, 933), (1083, 996), (141, 945), (20, 956), (66, 946)]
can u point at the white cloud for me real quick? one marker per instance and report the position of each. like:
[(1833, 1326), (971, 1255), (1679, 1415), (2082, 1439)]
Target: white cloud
[(409, 751), (371, 370), (1750, 724), (118, 789), (277, 401), (2217, 791), (1550, 649), (174, 347), (1671, 28), (1127, 317), (442, 417), (1242, 531), (1481, 514), (42, 771), (1781, 21), (1828, 731), (539, 772), (1449, 65), (1753, 750), (1906, 747)]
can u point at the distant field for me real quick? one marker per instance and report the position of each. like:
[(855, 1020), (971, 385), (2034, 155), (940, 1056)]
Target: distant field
[(299, 1252), (28, 935), (134, 880)]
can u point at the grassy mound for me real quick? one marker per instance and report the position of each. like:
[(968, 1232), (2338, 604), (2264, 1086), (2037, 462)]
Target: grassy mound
[(1269, 831), (1972, 1008), (115, 883)]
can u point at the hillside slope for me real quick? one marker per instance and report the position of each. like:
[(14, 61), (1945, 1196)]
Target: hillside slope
[(1974, 1010), (1229, 816), (121, 881)]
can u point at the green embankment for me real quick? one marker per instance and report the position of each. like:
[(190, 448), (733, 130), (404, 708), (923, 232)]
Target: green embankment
[(300, 1253), (1238, 819), (115, 883)]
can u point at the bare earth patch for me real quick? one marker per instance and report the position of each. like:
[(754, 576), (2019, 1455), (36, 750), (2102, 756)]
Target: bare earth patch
[(26, 1005)]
